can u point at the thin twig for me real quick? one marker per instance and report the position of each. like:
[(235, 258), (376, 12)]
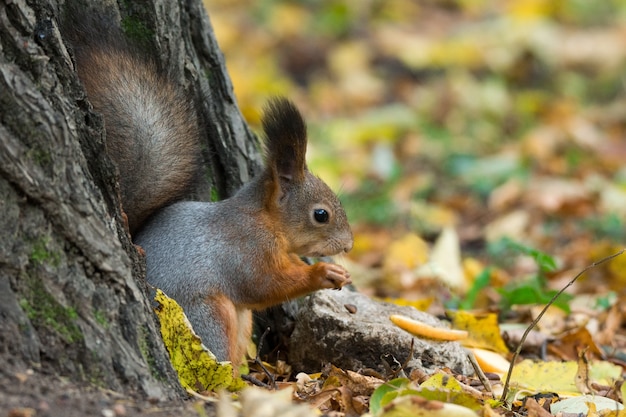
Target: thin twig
[(536, 320), (390, 372), (259, 362), (256, 382), (400, 370), (480, 374), (200, 396)]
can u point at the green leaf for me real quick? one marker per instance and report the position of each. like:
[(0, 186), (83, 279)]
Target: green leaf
[(533, 292), (482, 281), (544, 261), (384, 394)]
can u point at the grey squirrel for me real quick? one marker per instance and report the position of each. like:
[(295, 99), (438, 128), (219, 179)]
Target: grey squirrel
[(218, 260)]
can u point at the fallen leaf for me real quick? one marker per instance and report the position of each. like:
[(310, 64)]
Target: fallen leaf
[(444, 387), (421, 304), (446, 259), (569, 343), (534, 409), (582, 373), (357, 383), (415, 406), (612, 323), (403, 257), (557, 195), (559, 377), (483, 330), (197, 367), (513, 225), (261, 402), (387, 392), (580, 405)]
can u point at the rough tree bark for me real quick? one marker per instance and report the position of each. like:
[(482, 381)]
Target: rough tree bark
[(73, 301)]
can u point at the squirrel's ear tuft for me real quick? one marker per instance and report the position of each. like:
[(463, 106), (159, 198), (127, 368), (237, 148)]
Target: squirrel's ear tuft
[(285, 139)]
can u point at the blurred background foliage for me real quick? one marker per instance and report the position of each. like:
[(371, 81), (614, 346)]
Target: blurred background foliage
[(487, 119)]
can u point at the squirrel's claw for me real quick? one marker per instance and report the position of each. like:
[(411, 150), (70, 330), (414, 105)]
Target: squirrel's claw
[(336, 276)]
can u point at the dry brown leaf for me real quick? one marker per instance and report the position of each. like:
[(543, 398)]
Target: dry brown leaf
[(534, 340), (506, 195), (514, 224), (553, 320), (559, 195), (534, 409), (612, 323), (572, 341), (582, 381), (357, 383)]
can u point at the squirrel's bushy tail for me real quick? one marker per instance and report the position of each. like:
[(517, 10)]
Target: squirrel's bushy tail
[(152, 129)]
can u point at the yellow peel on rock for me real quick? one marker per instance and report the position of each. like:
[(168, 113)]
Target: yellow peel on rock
[(419, 329), (490, 361)]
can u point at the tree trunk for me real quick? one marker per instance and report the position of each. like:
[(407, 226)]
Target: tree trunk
[(73, 298)]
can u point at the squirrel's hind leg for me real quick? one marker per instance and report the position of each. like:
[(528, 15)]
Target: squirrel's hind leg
[(223, 328)]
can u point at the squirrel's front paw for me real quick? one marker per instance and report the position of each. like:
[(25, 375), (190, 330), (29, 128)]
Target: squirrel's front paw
[(336, 276)]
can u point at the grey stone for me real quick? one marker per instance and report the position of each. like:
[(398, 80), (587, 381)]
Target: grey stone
[(326, 332)]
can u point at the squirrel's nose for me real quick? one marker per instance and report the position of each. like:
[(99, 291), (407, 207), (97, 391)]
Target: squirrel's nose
[(348, 245)]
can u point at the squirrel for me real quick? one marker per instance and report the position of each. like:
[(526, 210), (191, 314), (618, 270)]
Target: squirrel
[(218, 260)]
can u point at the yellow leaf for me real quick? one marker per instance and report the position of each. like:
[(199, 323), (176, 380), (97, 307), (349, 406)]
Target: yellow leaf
[(442, 381), (444, 387), (545, 377), (197, 368), (604, 373), (531, 9), (288, 19), (472, 268), (414, 406), (616, 278), (483, 328), (432, 217), (559, 377), (421, 304), (404, 255)]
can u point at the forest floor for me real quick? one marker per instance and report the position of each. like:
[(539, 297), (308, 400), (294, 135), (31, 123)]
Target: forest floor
[(503, 123)]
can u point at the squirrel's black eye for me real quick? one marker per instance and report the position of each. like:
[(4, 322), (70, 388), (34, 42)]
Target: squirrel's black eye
[(320, 215)]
